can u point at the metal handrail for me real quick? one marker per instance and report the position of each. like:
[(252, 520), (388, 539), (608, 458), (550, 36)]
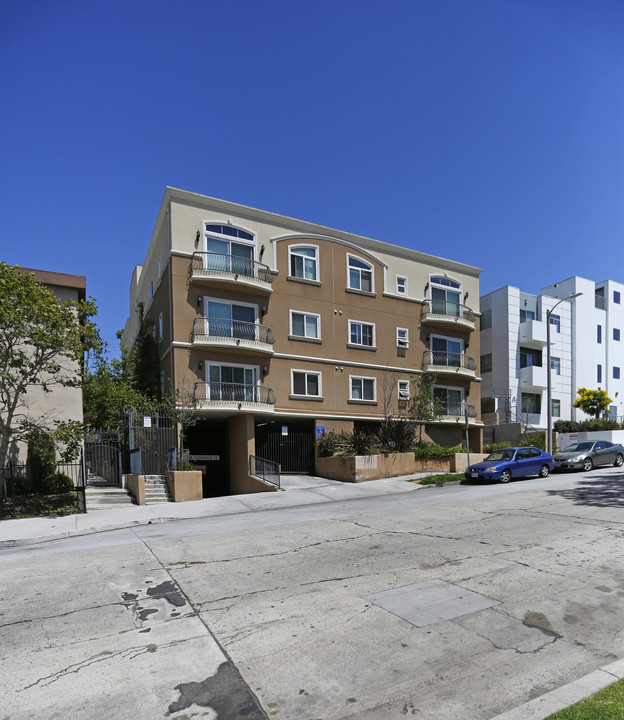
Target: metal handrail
[(447, 309), (217, 393), (448, 359), (458, 409), (219, 263), (267, 470), (238, 329)]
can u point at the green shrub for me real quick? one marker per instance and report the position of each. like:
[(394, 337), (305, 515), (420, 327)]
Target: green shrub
[(331, 443), (396, 436), (490, 447), (427, 450), (41, 460), (571, 426), (361, 442), (57, 483), (17, 486), (185, 465)]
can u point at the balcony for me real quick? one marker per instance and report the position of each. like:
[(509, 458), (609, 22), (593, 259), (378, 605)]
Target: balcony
[(455, 412), (532, 334), (449, 363), (217, 397), (216, 269), (533, 376), (232, 334), (444, 314)]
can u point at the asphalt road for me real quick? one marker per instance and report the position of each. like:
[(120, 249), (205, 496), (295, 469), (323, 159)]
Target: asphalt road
[(450, 603)]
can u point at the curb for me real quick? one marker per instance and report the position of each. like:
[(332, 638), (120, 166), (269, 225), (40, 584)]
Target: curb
[(551, 702)]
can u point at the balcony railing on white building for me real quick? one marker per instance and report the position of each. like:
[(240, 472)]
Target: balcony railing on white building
[(211, 264), (448, 361), (222, 330), (215, 394)]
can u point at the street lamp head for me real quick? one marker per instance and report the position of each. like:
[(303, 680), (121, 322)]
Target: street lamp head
[(575, 295)]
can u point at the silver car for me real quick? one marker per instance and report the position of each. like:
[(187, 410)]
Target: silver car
[(586, 455)]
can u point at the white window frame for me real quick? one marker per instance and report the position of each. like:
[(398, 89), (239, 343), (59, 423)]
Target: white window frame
[(371, 270), (555, 364), (230, 302), (450, 387), (307, 246), (362, 377), (318, 374), (229, 238), (374, 334), (401, 289), (402, 341), (309, 314), (210, 363), (403, 389)]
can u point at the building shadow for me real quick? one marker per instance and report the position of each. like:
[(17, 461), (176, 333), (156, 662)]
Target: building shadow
[(597, 490)]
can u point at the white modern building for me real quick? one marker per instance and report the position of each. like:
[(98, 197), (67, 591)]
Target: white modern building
[(586, 349)]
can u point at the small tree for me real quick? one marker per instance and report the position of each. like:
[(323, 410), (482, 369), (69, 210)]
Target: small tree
[(43, 342), (423, 407), (592, 402)]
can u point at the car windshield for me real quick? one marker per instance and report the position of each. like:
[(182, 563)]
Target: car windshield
[(501, 455), (579, 447)]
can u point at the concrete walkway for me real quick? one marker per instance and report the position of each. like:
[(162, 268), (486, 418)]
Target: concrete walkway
[(296, 490)]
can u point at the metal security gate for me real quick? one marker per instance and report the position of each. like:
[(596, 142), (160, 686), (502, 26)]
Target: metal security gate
[(103, 458), (154, 435), (287, 442)]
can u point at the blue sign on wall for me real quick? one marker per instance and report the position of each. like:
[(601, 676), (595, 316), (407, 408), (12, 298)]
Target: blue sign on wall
[(320, 429)]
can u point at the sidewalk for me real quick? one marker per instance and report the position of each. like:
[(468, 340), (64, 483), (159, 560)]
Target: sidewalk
[(295, 490)]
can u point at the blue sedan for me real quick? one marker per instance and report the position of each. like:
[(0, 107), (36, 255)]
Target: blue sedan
[(512, 462)]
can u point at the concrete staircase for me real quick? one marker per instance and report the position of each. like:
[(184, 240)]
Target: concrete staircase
[(156, 490), (99, 497)]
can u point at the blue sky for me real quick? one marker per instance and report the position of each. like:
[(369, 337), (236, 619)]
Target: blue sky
[(488, 132)]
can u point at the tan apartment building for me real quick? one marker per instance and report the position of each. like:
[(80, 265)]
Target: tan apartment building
[(282, 329), (63, 403)]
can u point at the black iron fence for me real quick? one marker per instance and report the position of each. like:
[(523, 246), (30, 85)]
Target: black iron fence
[(447, 309), (25, 491), (152, 435), (266, 470)]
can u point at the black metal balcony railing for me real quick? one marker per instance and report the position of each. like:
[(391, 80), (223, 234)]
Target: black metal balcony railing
[(449, 360), (446, 309), (223, 328), (458, 409), (217, 393), (211, 263)]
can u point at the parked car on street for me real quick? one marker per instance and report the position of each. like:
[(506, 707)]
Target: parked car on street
[(513, 462), (589, 454)]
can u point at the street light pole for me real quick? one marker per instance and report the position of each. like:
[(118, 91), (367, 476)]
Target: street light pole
[(548, 378)]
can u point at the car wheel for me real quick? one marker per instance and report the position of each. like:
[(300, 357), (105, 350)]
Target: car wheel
[(505, 476), (619, 460), (588, 464), (544, 470)]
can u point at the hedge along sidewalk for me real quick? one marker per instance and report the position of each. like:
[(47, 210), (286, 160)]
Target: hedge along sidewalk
[(439, 479)]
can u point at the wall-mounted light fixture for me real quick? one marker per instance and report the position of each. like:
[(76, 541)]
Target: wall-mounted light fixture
[(263, 310), (200, 365), (426, 287), (197, 237), (261, 251), (199, 300), (265, 371), (466, 294)]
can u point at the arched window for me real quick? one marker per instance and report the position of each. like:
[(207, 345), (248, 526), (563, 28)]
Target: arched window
[(445, 296), (303, 262), (229, 249)]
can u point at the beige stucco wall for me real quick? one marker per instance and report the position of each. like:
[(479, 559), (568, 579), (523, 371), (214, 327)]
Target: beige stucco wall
[(185, 485), (136, 485)]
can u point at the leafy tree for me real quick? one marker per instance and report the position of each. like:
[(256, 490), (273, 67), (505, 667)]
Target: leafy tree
[(592, 402), (43, 342), (146, 363), (110, 386), (423, 407)]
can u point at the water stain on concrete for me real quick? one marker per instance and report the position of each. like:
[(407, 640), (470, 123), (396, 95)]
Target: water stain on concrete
[(540, 621), (167, 591), (223, 692)]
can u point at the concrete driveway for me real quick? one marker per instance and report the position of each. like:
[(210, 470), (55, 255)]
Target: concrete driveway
[(446, 603)]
